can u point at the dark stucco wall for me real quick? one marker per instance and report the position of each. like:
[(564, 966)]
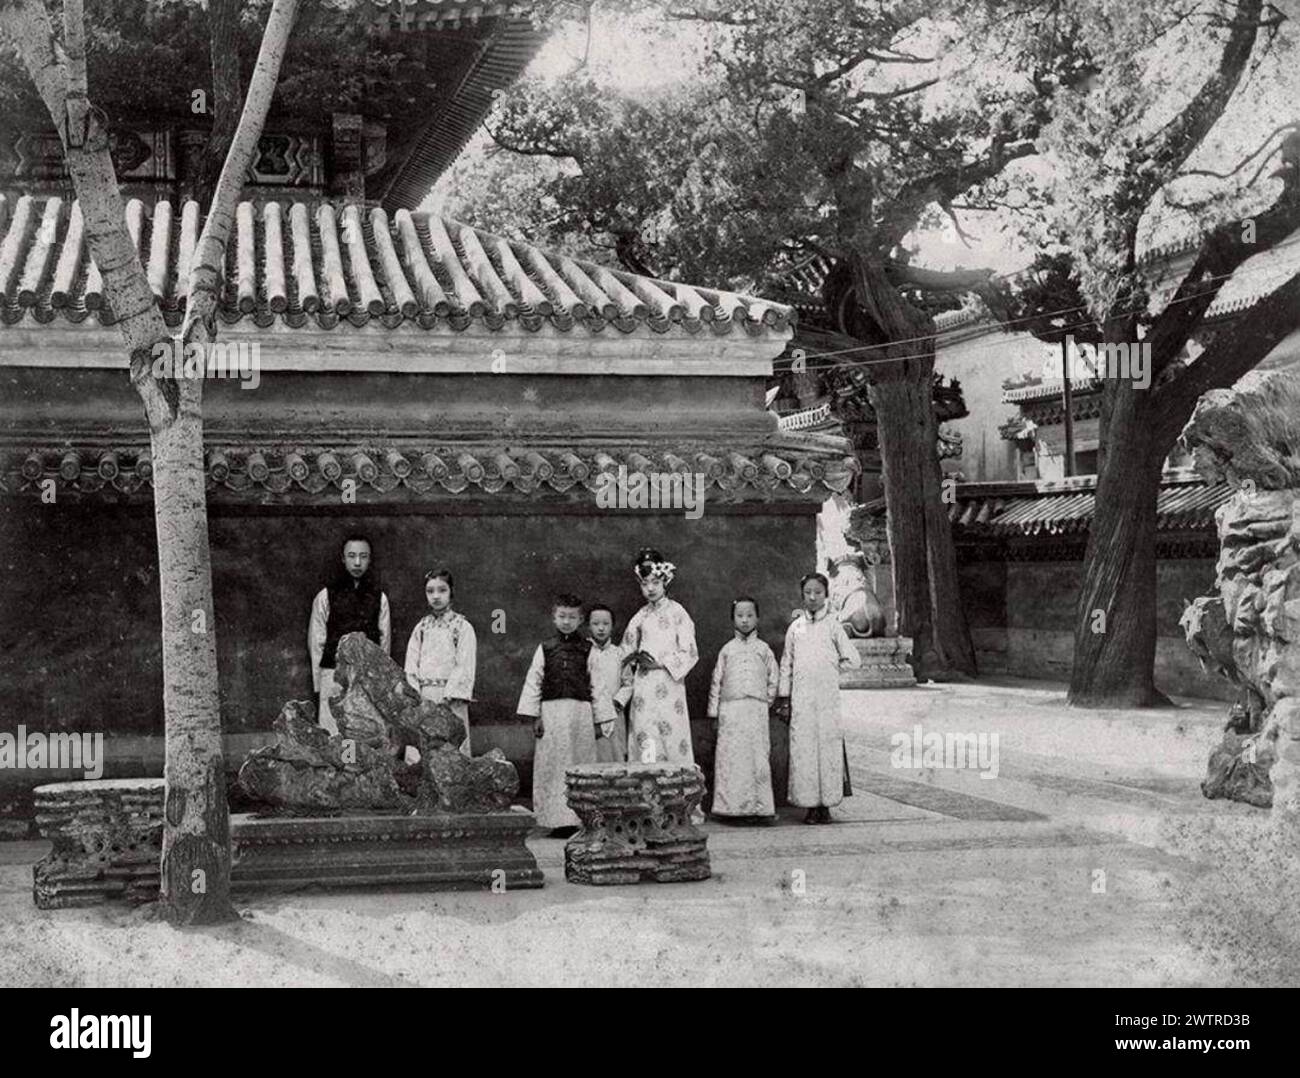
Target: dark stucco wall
[(79, 643), (1021, 616)]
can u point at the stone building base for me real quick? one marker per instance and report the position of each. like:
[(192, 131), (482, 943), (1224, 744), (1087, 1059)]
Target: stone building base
[(107, 838), (436, 852)]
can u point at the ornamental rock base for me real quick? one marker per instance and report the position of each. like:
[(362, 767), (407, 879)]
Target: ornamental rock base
[(1249, 628), (636, 824), (107, 838), (308, 771), (884, 664), (439, 852)]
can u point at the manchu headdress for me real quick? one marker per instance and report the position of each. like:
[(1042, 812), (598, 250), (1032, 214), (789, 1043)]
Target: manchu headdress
[(651, 565)]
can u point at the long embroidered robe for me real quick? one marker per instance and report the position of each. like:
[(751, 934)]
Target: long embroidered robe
[(656, 713)]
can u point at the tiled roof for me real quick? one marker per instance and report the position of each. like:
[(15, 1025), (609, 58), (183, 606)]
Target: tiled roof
[(432, 14), (1003, 510), (1053, 387), (764, 470), (300, 264)]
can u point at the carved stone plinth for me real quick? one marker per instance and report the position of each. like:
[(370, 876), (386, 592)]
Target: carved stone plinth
[(436, 852), (107, 838), (636, 824), (884, 664)]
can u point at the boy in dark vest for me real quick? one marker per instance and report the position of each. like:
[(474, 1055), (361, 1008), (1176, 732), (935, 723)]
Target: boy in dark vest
[(351, 603), (557, 695)]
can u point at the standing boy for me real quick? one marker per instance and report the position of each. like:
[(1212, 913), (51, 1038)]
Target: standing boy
[(606, 679), (557, 695)]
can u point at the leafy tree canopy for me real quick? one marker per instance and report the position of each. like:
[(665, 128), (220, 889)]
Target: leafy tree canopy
[(145, 58)]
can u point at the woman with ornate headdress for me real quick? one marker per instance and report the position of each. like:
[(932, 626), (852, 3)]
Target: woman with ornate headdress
[(659, 649)]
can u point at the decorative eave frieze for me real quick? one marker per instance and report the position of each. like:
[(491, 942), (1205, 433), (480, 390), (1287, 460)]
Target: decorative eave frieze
[(370, 473)]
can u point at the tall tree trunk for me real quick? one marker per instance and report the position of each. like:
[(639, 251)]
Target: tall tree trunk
[(196, 832), (1115, 621), (1115, 630), (921, 549), (196, 838)]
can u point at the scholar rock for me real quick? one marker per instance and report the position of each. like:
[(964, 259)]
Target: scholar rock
[(459, 783), (363, 767), (1250, 630)]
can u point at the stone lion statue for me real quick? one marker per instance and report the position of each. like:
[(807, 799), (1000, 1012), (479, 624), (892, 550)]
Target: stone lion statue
[(853, 601)]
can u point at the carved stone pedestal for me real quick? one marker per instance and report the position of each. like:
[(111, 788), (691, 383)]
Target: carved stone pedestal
[(884, 664), (636, 824), (437, 853), (107, 837)]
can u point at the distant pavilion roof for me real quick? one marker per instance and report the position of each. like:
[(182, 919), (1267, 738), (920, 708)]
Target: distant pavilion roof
[(315, 267), (1253, 280), (1065, 507), (1049, 388)]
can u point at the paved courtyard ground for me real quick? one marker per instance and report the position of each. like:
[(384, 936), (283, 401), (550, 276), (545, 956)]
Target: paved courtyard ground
[(1091, 859)]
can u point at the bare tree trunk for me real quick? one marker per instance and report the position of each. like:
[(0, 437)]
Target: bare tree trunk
[(196, 834), (196, 839), (920, 539)]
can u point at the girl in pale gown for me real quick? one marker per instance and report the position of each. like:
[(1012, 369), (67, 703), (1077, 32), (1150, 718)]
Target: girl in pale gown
[(442, 652), (659, 650), (744, 685), (816, 647)]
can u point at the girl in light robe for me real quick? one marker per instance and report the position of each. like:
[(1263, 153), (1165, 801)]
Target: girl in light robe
[(816, 647), (442, 653), (659, 650), (744, 685)]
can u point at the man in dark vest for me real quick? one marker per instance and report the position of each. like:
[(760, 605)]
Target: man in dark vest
[(351, 603)]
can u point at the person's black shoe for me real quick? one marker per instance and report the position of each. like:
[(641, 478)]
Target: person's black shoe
[(812, 816), (824, 815)]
